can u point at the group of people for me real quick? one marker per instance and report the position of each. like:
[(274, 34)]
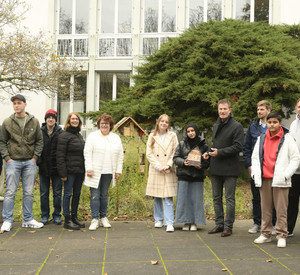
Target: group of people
[(271, 155), (65, 160)]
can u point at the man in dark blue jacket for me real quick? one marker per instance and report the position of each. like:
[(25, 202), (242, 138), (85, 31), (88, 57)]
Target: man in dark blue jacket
[(228, 136), (256, 128)]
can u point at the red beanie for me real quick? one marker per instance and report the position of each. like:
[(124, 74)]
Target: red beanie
[(52, 113)]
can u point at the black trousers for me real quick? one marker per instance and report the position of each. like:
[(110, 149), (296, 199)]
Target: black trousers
[(293, 206)]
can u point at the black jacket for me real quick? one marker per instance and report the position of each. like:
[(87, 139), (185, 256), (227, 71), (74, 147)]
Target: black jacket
[(189, 173), (47, 161), (69, 155), (228, 139)]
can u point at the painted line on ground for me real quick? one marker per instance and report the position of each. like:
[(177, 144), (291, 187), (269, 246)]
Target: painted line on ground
[(104, 253), (52, 248), (10, 237), (227, 269)]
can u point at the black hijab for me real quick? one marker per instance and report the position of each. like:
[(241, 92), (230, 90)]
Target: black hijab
[(195, 141)]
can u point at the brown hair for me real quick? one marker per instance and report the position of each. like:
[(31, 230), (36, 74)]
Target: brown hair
[(156, 129), (107, 118), (224, 101), (265, 103), (68, 124)]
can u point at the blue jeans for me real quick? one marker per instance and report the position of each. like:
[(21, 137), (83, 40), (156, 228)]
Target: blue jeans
[(164, 207), (217, 189), (99, 197), (72, 188), (13, 171), (44, 195)]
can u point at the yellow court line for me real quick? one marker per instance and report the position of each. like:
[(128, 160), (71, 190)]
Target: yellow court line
[(161, 258), (214, 253), (43, 264), (104, 254), (11, 237), (273, 258)]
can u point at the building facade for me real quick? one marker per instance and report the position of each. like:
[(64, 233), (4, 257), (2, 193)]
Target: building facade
[(109, 38)]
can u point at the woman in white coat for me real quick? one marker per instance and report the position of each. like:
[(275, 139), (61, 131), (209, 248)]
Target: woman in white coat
[(162, 180), (103, 154)]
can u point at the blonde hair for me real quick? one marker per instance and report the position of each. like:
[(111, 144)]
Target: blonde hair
[(68, 124), (156, 129), (265, 103)]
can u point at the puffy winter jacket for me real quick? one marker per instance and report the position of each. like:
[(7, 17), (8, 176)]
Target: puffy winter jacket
[(69, 155), (47, 161), (189, 173)]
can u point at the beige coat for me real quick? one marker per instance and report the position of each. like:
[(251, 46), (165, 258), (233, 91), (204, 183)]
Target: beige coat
[(159, 184)]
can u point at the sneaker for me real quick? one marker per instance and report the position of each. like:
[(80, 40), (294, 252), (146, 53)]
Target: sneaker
[(186, 227), (57, 220), (290, 234), (94, 224), (193, 227), (32, 224), (6, 226), (263, 239), (44, 220), (104, 222), (281, 242), (273, 231), (158, 224), (170, 228), (254, 229)]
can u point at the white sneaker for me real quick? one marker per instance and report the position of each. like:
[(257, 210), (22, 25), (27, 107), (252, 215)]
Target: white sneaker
[(6, 226), (94, 224), (104, 222), (186, 227), (170, 228), (254, 229), (158, 224), (193, 227), (281, 242), (273, 231), (32, 224), (262, 239)]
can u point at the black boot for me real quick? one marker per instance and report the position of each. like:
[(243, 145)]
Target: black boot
[(69, 224), (76, 221)]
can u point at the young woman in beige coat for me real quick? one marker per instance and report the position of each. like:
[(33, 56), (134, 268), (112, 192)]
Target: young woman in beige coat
[(162, 180)]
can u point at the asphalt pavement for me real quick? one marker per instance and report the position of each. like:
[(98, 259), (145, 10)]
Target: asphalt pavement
[(139, 248)]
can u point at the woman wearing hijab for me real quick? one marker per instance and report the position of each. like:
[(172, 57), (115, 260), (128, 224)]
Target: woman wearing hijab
[(191, 174)]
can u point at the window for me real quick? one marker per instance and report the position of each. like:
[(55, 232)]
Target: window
[(196, 12), (71, 96), (111, 84), (242, 10), (73, 20), (252, 10), (115, 28), (204, 10), (159, 16)]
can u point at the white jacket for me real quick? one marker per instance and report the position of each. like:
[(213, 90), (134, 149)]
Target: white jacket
[(94, 151), (295, 133), (286, 164)]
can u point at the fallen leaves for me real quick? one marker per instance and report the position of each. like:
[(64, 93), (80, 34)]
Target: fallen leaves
[(32, 231), (224, 269), (93, 238), (269, 261), (50, 238), (1, 231), (154, 262)]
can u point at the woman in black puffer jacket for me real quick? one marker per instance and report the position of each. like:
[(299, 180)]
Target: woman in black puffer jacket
[(70, 166), (189, 204)]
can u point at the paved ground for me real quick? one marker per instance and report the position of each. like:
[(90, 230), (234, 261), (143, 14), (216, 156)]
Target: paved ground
[(129, 248)]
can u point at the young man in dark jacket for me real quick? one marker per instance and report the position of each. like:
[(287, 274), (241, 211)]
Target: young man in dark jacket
[(21, 144), (228, 136), (256, 128), (48, 169)]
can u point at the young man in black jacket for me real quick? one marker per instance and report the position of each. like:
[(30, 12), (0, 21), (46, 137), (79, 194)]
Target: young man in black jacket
[(48, 169)]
